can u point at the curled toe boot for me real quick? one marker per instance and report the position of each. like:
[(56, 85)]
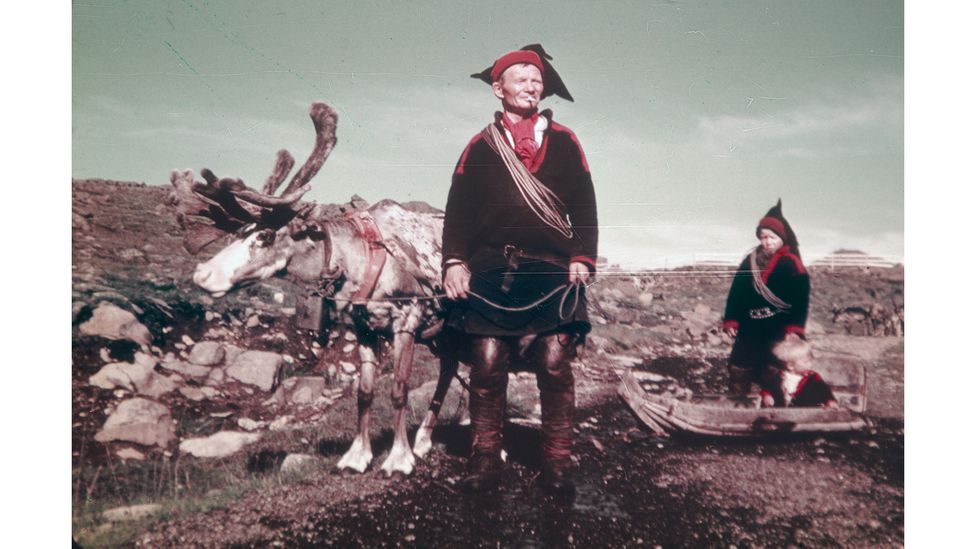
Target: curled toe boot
[(484, 473), (557, 478)]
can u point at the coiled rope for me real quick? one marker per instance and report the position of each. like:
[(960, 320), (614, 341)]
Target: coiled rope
[(541, 200), (760, 286)]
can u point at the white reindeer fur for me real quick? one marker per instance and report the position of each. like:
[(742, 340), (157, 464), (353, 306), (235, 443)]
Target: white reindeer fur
[(412, 269)]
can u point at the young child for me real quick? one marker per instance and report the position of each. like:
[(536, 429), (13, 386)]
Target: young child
[(769, 298), (799, 385)]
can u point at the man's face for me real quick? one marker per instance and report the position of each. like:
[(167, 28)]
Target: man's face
[(520, 88)]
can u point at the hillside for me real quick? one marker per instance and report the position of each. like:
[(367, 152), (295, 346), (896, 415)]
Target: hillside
[(177, 353)]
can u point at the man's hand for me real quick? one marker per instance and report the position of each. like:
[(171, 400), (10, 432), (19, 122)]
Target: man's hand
[(579, 273), (732, 331), (457, 281)]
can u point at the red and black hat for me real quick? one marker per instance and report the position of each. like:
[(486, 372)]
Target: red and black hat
[(774, 221), (533, 54)]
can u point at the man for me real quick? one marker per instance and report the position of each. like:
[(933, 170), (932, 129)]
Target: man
[(520, 241)]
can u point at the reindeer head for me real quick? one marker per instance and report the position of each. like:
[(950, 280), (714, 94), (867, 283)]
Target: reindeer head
[(268, 230)]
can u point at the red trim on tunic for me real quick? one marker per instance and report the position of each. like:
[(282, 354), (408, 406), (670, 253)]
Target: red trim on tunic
[(794, 329), (464, 155), (807, 376), (540, 155), (560, 128), (584, 259), (781, 253)]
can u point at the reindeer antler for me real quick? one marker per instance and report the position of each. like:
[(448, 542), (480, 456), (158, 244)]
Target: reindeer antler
[(222, 205), (324, 118), (282, 166)]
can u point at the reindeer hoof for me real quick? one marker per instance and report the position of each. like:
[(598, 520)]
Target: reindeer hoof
[(397, 476), (349, 471), (423, 443)]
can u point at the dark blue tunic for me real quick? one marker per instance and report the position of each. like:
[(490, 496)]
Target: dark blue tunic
[(486, 213)]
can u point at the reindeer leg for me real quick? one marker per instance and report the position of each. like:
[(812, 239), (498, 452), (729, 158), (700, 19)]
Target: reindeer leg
[(405, 327), (360, 454), (422, 442)]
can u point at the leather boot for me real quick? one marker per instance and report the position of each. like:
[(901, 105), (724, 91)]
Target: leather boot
[(489, 383), (484, 473), (553, 354)]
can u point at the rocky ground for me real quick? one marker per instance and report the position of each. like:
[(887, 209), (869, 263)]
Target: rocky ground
[(202, 422)]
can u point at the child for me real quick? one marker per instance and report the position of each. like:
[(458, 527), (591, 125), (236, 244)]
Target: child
[(799, 385), (768, 299)]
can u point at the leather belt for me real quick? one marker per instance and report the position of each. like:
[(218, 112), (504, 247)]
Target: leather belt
[(515, 254)]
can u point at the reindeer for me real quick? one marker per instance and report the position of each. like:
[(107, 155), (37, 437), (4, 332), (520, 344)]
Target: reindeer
[(385, 262)]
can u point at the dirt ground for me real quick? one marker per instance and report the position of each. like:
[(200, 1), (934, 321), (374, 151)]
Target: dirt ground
[(633, 488)]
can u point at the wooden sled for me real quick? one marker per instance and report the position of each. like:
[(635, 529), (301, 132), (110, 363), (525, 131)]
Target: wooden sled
[(723, 416)]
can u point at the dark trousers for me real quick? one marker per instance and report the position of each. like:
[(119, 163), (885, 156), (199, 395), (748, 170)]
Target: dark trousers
[(550, 356)]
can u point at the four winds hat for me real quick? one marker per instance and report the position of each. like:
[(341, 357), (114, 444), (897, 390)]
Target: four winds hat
[(533, 54)]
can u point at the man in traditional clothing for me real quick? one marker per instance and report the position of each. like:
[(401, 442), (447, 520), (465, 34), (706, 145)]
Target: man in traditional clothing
[(520, 242)]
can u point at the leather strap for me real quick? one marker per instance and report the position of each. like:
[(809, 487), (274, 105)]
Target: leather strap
[(375, 254)]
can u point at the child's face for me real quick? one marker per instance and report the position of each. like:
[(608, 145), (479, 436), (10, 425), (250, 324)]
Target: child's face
[(802, 363), (770, 241)]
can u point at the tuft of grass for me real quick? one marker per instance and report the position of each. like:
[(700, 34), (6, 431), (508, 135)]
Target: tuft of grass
[(200, 489)]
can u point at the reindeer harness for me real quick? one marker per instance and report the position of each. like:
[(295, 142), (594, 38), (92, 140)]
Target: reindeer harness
[(375, 253)]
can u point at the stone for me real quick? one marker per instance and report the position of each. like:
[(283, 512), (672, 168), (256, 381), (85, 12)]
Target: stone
[(157, 385), (187, 340), (249, 424), (258, 368), (111, 322), (125, 375), (300, 390), (141, 421), (222, 444), (193, 393), (215, 378), (231, 352), (207, 353), (297, 462), (253, 322), (348, 367), (280, 423), (132, 512), (649, 376), (130, 453), (186, 369)]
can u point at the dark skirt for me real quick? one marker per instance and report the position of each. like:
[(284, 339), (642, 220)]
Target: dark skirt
[(530, 282), (753, 347)]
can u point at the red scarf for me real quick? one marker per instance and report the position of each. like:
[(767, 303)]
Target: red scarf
[(523, 134)]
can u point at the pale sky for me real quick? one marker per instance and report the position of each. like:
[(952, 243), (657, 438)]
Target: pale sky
[(695, 116)]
